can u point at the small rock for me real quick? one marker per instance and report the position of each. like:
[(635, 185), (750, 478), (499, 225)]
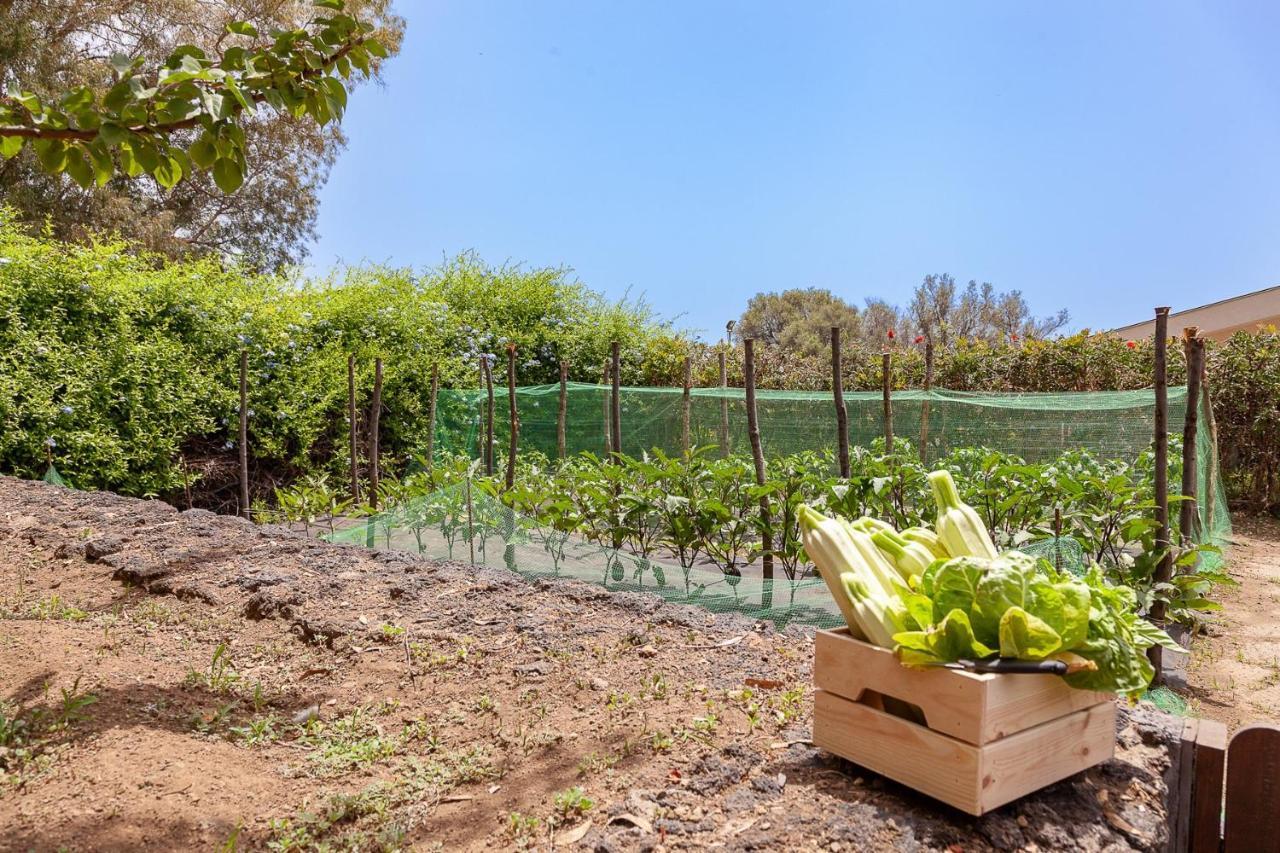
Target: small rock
[(102, 546), (648, 652), (70, 550), (538, 667), (598, 683)]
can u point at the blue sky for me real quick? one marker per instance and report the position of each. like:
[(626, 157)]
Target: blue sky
[(1100, 156)]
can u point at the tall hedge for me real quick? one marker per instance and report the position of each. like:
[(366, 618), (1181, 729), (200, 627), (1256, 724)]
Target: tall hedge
[(126, 364)]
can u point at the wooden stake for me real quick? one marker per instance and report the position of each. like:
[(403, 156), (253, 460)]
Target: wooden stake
[(886, 366), (351, 428), (842, 413), (608, 428), (244, 434), (616, 409), (1057, 538), (1164, 570), (515, 417), (471, 523), (1188, 510), (924, 406), (686, 403), (757, 455), (488, 418), (563, 412), (1211, 424), (375, 415), (431, 416), (480, 454), (724, 408)]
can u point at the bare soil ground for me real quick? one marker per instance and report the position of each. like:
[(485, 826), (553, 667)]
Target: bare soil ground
[(187, 681), (1234, 674)]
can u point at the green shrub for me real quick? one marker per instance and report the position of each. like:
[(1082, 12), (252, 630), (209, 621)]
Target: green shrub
[(118, 364)]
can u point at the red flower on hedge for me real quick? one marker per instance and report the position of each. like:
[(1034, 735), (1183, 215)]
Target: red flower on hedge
[(919, 339), (1014, 337), (891, 334), (1131, 344)]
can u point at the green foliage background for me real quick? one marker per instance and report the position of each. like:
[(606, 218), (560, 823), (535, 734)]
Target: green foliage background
[(128, 362)]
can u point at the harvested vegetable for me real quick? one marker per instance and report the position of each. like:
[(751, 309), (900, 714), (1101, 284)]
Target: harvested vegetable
[(975, 603), (859, 578), (1021, 607), (909, 558), (960, 529), (928, 539)]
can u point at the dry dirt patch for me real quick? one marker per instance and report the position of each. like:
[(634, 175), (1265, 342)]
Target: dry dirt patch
[(182, 680), (1234, 672)]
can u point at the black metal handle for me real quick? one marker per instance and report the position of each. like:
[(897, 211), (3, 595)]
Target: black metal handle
[(1013, 666)]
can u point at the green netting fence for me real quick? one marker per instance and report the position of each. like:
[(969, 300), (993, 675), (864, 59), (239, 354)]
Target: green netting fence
[(1035, 426), (465, 523)]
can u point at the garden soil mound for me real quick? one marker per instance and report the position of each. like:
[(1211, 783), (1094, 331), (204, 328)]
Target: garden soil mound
[(181, 680)]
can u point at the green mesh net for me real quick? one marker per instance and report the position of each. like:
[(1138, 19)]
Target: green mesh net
[(1035, 426), (1063, 552), (1168, 701), (466, 523)]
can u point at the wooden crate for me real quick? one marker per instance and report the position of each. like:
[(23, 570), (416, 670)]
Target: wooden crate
[(974, 741)]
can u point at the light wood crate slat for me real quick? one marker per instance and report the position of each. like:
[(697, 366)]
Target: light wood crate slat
[(976, 708), (974, 779), (983, 740)]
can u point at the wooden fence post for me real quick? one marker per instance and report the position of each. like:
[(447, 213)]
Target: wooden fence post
[(488, 417), (351, 428), (886, 363), (615, 370), (608, 419), (724, 408), (1195, 808), (563, 411), (757, 455), (244, 435), (842, 413), (1164, 570), (515, 417), (480, 422), (924, 406), (686, 402), (431, 417), (375, 415), (1252, 821), (1188, 510), (1211, 424)]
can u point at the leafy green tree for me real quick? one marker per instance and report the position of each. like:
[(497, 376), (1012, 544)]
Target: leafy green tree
[(799, 319), (221, 148), (945, 314)]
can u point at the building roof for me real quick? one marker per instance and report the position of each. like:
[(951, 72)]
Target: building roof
[(1218, 320)]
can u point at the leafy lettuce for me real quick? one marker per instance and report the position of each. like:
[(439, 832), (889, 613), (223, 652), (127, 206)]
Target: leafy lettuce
[(1021, 607)]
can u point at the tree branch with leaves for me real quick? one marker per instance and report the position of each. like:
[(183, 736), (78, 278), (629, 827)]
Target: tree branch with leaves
[(187, 115)]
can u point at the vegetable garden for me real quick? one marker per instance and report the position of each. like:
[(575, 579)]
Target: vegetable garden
[(691, 527)]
